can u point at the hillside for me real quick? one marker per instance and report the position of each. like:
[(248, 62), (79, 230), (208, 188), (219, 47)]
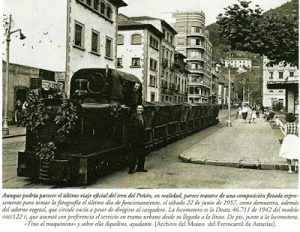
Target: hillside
[(219, 46)]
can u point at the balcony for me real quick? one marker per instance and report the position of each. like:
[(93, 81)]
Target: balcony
[(164, 63), (200, 83), (195, 46), (164, 84), (195, 58), (194, 33)]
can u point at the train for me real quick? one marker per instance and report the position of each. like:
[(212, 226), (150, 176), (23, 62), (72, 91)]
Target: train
[(82, 138)]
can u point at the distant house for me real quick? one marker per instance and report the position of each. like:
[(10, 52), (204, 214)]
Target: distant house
[(280, 84), (238, 63)]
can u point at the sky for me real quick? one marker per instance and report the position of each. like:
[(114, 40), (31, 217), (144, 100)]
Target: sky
[(163, 8)]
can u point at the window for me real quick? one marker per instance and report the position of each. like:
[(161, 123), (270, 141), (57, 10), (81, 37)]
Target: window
[(153, 64), (291, 74), (153, 42), (280, 75), (79, 35), (195, 42), (136, 62), (89, 2), (35, 83), (152, 81), (108, 48), (171, 39), (95, 41), (96, 5), (136, 39), (108, 12), (271, 91), (152, 96), (119, 62), (195, 54), (102, 8), (270, 75), (195, 29), (120, 39)]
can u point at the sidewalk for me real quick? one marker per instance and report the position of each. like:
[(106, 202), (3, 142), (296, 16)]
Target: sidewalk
[(243, 145), (15, 131)]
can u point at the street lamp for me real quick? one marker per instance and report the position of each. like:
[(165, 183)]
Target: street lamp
[(229, 124), (5, 129)]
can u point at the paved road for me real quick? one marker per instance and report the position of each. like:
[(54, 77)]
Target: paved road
[(165, 171)]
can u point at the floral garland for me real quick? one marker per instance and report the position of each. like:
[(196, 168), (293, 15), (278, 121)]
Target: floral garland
[(37, 117)]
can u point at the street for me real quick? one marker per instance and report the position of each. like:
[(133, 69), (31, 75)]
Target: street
[(165, 170)]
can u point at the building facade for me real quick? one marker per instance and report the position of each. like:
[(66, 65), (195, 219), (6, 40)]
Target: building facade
[(181, 78), (62, 37), (138, 53), (276, 73), (167, 53), (192, 40)]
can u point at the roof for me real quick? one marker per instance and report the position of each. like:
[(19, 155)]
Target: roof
[(87, 73), (118, 3), (163, 22), (179, 54), (126, 23)]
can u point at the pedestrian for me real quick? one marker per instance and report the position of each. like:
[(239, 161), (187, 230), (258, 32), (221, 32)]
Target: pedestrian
[(290, 144), (254, 115), (244, 112), (239, 113), (18, 112), (249, 114), (136, 156)]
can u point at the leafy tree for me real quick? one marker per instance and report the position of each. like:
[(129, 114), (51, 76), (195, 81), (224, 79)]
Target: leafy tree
[(273, 35)]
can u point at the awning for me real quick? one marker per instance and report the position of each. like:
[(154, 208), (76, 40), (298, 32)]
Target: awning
[(282, 84)]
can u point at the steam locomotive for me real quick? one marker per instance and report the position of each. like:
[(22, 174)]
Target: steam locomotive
[(98, 142)]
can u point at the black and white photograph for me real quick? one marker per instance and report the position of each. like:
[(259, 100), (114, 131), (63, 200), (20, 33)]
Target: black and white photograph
[(179, 114)]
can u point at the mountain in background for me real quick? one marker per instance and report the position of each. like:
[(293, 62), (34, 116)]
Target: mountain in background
[(219, 47)]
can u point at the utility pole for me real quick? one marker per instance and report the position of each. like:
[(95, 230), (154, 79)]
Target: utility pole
[(5, 129), (243, 90), (229, 90)]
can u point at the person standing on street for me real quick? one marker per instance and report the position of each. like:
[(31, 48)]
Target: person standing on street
[(244, 112), (290, 144), (249, 114), (254, 115), (136, 155)]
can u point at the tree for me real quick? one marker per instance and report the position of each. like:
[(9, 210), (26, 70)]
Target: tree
[(273, 35)]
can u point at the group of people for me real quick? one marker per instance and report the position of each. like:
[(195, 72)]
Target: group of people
[(20, 108), (247, 113)]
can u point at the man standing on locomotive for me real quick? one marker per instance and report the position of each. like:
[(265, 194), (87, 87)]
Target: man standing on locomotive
[(137, 141)]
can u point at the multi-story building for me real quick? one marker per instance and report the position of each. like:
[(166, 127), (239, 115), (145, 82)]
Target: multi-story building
[(215, 85), (167, 52), (280, 84), (192, 40), (139, 53), (62, 37), (181, 78), (238, 63)]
